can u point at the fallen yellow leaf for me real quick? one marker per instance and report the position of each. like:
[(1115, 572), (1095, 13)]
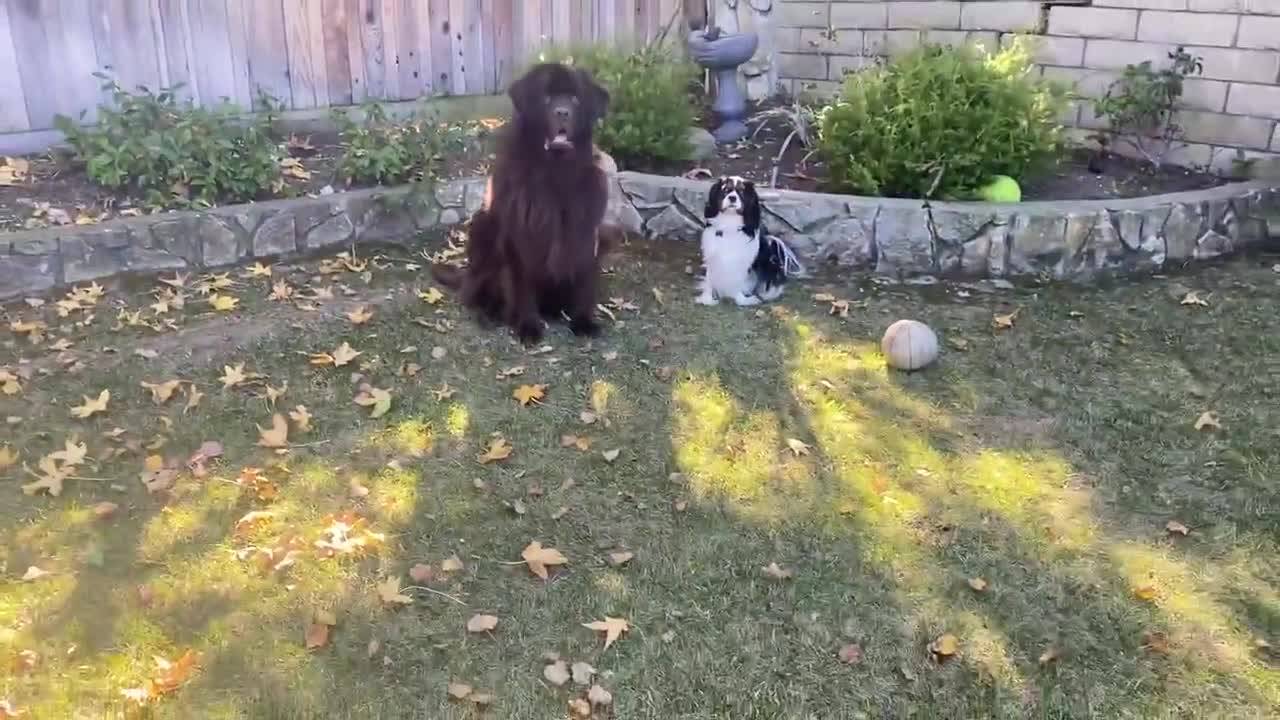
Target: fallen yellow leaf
[(224, 303), (482, 623), (389, 592), (1193, 297), (430, 296), (777, 572), (498, 450), (277, 436), (1208, 420), (301, 418), (526, 394), (978, 584), (1173, 526), (944, 646), (92, 407), (1004, 322), (233, 376), (377, 399), (1050, 655), (798, 448), (161, 392), (360, 316), (258, 270), (611, 627), (538, 558)]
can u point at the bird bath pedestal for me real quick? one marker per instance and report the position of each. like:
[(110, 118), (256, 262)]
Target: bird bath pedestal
[(722, 54)]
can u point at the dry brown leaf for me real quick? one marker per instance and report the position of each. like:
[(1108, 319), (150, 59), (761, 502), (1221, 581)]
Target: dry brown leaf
[(579, 709), (1005, 322), (538, 558), (430, 296), (582, 673), (611, 627), (1155, 642), (460, 691), (453, 563), (257, 270), (105, 509), (1208, 420), (599, 697), (233, 376), (341, 355), (389, 592), (360, 316), (301, 418), (34, 573), (526, 394), (1146, 593), (510, 372), (224, 303), (777, 572), (278, 434), (611, 455), (373, 648), (92, 407), (850, 654), (8, 458), (1193, 297), (798, 448), (978, 584), (587, 417), (1049, 656), (1175, 527), (582, 443), (194, 396), (482, 623), (944, 646), (618, 559), (376, 399), (72, 454), (556, 673), (316, 635), (169, 677), (421, 573), (498, 450), (162, 392)]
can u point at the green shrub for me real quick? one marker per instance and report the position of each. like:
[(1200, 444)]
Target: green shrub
[(939, 122), (381, 150), (175, 154), (650, 105), (1141, 107)]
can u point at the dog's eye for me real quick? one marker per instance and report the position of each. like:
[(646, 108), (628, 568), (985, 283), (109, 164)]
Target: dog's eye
[(575, 99)]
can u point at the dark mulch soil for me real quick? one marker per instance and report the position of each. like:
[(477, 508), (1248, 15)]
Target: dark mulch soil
[(801, 169)]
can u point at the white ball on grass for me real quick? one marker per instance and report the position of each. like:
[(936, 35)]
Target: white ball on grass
[(909, 345)]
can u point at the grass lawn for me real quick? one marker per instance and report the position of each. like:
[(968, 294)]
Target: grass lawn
[(1010, 507)]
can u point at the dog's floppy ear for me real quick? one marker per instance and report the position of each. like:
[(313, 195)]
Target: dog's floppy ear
[(750, 209), (594, 94), (714, 198), (528, 93)]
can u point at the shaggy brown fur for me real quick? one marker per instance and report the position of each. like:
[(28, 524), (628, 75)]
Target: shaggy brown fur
[(532, 250)]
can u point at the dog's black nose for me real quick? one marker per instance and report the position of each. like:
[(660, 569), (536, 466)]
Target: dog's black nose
[(562, 113)]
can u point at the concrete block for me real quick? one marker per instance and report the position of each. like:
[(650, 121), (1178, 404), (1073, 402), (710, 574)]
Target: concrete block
[(890, 43), (947, 38), (1259, 33), (1012, 16), (1116, 54), (1090, 83), (1213, 29), (1050, 50), (1093, 22), (1142, 4), (1257, 66), (841, 65), (1256, 100), (803, 14), (1249, 7), (807, 67), (1232, 130), (824, 41), (860, 16), (937, 15), (1210, 95)]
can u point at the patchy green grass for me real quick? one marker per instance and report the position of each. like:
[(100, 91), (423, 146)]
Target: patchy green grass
[(1045, 459)]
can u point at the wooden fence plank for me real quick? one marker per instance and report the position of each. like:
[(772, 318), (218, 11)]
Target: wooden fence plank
[(561, 23), (374, 60), (238, 39), (457, 49), (57, 57), (214, 70), (413, 48), (126, 42), (474, 31), (13, 104), (337, 51), (389, 22), (305, 45), (504, 45), (176, 66), (268, 49), (441, 31), (606, 21)]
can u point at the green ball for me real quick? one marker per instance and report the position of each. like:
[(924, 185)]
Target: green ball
[(1002, 189)]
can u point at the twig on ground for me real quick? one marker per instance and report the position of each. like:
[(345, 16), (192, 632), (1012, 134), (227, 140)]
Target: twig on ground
[(435, 592)]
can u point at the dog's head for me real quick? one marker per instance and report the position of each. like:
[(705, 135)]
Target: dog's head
[(557, 106), (735, 196)]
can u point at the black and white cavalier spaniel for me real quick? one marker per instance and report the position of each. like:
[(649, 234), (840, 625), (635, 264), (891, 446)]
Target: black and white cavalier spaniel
[(742, 263)]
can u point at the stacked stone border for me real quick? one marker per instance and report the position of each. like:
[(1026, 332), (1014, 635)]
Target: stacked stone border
[(1070, 240)]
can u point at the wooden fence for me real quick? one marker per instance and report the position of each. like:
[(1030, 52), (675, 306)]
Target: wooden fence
[(307, 53)]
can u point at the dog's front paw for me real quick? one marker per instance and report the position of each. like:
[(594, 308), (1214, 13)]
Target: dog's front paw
[(745, 300), (585, 327), (706, 298), (529, 332)]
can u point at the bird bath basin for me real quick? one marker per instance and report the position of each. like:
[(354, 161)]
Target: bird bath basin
[(723, 54)]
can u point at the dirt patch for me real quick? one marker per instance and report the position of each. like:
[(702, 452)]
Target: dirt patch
[(1077, 176)]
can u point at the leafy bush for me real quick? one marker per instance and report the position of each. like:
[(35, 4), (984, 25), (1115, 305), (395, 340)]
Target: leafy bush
[(939, 122), (381, 150), (175, 154), (1141, 106), (650, 106)]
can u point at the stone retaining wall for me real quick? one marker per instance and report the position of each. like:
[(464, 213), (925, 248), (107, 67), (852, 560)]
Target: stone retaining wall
[(1067, 240)]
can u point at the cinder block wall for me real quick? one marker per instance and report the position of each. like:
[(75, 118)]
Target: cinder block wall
[(1234, 105)]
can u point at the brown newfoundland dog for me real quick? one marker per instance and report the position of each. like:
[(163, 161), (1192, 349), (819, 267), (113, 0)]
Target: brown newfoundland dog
[(532, 250)]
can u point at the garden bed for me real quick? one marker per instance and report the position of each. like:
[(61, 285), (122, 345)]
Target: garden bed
[(1072, 178)]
